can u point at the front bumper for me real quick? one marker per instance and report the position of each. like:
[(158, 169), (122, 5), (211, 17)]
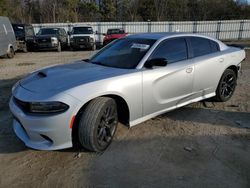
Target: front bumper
[(42, 132), (46, 45), (81, 45)]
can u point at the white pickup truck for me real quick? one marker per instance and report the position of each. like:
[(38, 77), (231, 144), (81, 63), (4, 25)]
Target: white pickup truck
[(82, 37)]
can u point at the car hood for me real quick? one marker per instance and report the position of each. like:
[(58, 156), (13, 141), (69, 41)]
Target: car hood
[(63, 77)]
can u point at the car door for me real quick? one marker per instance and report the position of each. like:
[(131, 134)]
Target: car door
[(170, 86), (208, 65)]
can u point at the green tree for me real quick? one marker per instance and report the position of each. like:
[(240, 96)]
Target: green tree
[(108, 10)]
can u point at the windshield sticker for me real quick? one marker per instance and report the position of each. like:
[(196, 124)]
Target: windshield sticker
[(140, 46)]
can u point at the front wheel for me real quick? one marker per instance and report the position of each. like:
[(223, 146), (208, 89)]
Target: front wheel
[(11, 53), (98, 124), (226, 86)]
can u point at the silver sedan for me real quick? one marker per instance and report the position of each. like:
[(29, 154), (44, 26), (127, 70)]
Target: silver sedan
[(130, 81)]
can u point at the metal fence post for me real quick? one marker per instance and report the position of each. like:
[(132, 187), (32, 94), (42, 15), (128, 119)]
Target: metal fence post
[(241, 29), (170, 27), (124, 26), (99, 32), (149, 26), (218, 30), (195, 27)]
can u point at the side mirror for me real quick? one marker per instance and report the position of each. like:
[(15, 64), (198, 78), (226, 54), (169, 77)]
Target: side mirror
[(158, 62)]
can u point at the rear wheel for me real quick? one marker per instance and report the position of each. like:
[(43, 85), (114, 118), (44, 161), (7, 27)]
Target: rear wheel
[(25, 48), (226, 86), (11, 53), (93, 47), (98, 124)]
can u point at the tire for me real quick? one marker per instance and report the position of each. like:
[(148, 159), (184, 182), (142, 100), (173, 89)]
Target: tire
[(93, 48), (226, 86), (59, 47), (25, 49), (98, 124), (11, 53)]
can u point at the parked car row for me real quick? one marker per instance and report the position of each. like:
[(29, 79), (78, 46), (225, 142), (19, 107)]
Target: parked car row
[(22, 37)]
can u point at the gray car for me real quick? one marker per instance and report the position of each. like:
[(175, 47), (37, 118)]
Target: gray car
[(7, 38), (130, 81)]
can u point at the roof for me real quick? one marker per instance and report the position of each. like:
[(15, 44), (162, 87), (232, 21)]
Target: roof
[(160, 35), (163, 35), (155, 36), (21, 24)]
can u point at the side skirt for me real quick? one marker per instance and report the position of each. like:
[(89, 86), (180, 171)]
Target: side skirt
[(147, 117)]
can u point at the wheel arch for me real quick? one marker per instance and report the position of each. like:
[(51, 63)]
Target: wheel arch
[(233, 68), (122, 108), (9, 47)]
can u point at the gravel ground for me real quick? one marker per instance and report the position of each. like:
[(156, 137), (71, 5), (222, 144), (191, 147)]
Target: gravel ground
[(201, 145)]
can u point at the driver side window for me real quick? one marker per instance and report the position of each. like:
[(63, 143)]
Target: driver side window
[(172, 50)]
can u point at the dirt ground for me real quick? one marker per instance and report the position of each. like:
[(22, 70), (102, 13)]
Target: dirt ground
[(200, 145)]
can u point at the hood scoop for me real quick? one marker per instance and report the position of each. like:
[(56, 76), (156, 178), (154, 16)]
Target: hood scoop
[(42, 74)]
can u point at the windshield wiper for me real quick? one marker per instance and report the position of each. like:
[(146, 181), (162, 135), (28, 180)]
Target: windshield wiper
[(86, 60), (99, 63)]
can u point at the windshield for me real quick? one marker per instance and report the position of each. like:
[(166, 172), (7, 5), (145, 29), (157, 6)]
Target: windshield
[(115, 31), (124, 53), (48, 31), (19, 30), (82, 30)]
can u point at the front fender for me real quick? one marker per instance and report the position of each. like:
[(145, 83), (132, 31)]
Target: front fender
[(127, 87)]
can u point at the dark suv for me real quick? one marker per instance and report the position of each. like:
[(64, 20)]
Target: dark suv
[(52, 38), (25, 36)]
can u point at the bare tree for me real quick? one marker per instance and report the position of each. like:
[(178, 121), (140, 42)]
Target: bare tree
[(160, 9)]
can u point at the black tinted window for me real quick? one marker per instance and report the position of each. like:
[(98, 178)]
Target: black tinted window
[(82, 30), (202, 46), (214, 46), (30, 31), (48, 31), (173, 50)]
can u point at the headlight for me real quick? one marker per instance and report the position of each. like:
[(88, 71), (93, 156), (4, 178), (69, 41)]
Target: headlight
[(48, 107), (54, 40)]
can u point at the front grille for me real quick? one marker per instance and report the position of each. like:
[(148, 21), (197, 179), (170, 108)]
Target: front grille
[(45, 40), (81, 40), (21, 104)]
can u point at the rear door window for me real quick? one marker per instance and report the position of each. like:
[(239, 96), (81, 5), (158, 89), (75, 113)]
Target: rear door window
[(172, 50), (214, 46), (201, 46)]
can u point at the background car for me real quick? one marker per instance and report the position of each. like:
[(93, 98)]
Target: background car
[(51, 38), (7, 38), (25, 36), (82, 37), (113, 34), (134, 79)]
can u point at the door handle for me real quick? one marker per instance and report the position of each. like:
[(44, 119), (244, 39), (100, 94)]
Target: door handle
[(189, 70), (221, 60)]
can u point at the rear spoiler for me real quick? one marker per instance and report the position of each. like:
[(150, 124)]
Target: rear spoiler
[(243, 47)]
